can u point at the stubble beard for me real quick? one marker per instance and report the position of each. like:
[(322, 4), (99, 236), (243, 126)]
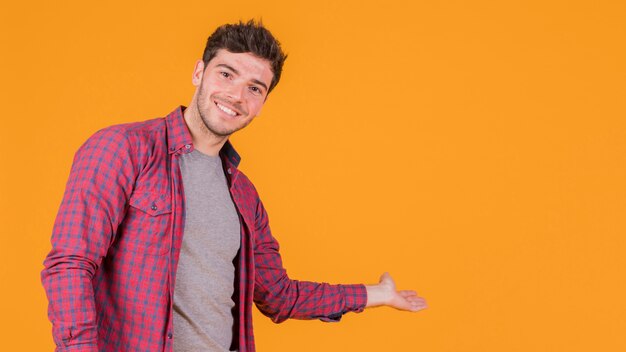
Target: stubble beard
[(207, 123)]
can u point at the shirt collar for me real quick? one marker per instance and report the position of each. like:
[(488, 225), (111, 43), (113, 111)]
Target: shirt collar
[(179, 137)]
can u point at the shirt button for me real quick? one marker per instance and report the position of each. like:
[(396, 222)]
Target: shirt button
[(154, 207), (229, 171), (169, 335), (187, 146)]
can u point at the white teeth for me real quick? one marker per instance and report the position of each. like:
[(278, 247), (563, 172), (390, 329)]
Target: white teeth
[(226, 110)]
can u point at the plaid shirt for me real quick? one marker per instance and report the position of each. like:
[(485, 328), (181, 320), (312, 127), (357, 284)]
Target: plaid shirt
[(116, 241)]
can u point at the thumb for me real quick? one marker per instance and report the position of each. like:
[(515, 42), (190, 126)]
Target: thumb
[(385, 277)]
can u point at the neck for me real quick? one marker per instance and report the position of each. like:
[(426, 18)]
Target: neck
[(203, 140)]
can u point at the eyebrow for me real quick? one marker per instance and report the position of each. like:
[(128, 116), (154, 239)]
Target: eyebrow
[(237, 72)]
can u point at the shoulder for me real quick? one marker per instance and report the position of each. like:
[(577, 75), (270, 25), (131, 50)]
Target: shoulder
[(148, 131), (129, 141), (134, 134)]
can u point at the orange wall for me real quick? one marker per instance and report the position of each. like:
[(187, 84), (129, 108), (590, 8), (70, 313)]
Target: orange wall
[(474, 149)]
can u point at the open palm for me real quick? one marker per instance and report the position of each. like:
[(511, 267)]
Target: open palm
[(385, 293)]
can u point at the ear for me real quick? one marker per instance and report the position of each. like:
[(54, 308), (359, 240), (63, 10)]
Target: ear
[(198, 72)]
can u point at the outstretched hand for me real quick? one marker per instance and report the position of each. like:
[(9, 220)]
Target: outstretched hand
[(385, 294)]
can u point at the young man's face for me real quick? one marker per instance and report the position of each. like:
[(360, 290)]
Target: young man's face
[(231, 90)]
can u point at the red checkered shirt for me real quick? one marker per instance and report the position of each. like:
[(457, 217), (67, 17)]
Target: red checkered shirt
[(116, 241)]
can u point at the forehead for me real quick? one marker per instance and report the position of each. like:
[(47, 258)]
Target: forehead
[(246, 64)]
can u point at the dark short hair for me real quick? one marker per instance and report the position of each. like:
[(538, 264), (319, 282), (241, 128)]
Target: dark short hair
[(250, 37)]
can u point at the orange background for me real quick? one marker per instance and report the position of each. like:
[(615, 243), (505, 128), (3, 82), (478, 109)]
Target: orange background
[(474, 149)]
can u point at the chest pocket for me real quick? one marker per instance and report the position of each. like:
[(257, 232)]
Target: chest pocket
[(146, 227)]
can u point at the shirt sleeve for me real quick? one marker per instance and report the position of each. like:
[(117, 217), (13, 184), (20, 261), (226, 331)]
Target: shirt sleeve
[(93, 205), (279, 297)]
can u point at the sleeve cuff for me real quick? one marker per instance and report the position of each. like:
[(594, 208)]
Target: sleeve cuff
[(355, 298)]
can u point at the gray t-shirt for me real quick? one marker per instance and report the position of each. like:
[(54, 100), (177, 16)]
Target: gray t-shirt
[(203, 317)]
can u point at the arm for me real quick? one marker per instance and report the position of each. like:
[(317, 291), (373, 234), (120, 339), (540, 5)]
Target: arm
[(93, 205), (280, 298)]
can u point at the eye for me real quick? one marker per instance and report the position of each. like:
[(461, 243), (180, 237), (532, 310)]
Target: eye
[(225, 74), (255, 90)]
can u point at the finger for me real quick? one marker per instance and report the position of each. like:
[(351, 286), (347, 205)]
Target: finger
[(411, 306), (412, 303), (417, 308), (415, 299), (418, 304)]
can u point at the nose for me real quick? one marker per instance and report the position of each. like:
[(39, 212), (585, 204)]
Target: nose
[(235, 91)]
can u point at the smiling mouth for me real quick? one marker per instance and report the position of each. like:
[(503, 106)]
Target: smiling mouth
[(227, 110)]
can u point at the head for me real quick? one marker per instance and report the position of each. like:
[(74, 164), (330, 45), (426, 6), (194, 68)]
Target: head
[(240, 66), (250, 37)]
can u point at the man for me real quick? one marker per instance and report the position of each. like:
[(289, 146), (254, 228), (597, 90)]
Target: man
[(162, 244)]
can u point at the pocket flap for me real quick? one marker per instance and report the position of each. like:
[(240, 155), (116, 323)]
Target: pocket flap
[(152, 203)]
